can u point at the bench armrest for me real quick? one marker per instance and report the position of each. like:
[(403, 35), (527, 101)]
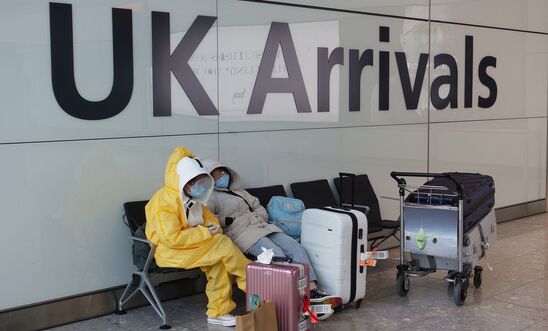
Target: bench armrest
[(141, 240)]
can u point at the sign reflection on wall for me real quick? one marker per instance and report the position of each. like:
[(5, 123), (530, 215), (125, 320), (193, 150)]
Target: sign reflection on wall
[(275, 74), (236, 60)]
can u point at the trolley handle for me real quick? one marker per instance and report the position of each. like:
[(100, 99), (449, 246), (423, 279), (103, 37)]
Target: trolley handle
[(401, 181)]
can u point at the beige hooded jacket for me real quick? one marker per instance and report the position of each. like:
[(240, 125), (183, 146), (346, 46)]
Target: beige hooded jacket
[(250, 218)]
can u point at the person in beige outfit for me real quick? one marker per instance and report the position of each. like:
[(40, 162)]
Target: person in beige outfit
[(245, 221)]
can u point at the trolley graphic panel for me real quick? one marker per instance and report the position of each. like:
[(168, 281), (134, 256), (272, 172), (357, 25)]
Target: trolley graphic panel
[(431, 230)]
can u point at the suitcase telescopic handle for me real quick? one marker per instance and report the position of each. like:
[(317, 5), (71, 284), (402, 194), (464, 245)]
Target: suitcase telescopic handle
[(397, 175), (352, 178)]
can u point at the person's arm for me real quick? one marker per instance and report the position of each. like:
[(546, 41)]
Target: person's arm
[(214, 208), (213, 204), (173, 235), (209, 218), (256, 206)]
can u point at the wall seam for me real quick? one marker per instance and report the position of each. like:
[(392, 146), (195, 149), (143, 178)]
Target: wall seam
[(428, 90), (266, 131), (351, 11), (218, 86)]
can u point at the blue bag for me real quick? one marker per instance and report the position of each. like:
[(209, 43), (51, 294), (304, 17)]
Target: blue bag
[(286, 213)]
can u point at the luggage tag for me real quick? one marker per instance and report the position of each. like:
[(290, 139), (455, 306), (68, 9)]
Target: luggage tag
[(487, 262), (486, 245), (377, 255), (365, 261), (371, 262), (254, 302), (303, 325), (370, 258), (306, 308), (301, 285)]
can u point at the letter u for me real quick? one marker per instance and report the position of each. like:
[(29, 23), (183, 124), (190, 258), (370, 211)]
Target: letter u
[(62, 65)]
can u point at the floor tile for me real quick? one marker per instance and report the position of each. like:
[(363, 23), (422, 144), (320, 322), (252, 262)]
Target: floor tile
[(487, 315), (533, 295)]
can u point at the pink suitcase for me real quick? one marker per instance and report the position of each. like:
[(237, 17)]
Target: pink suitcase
[(287, 284)]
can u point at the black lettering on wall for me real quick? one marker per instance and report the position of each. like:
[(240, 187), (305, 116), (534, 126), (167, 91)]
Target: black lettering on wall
[(488, 81), (411, 94), (451, 80), (468, 70), (384, 70), (279, 35), (325, 65), (163, 63), (62, 65), (356, 64)]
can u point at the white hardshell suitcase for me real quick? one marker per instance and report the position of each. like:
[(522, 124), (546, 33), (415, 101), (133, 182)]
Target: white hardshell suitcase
[(336, 240)]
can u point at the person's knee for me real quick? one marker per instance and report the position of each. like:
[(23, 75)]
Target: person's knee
[(226, 245), (223, 239), (278, 251)]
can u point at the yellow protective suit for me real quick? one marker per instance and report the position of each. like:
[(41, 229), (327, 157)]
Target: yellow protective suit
[(180, 245)]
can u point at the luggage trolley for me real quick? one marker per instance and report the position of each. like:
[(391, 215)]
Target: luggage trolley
[(429, 251)]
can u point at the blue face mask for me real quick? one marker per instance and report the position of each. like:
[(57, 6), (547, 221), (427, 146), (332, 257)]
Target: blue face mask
[(197, 190), (222, 182)]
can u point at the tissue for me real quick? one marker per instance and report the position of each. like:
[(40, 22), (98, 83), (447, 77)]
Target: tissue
[(266, 256)]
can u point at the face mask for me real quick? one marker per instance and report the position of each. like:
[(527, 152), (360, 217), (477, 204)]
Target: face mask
[(197, 190), (222, 182)]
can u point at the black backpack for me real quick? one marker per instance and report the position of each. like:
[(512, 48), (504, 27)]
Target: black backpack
[(140, 250)]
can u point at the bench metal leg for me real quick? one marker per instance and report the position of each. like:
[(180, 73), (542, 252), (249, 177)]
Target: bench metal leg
[(374, 244), (147, 288), (124, 298), (146, 284)]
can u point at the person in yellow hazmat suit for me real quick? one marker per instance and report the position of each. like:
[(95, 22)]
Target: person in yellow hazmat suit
[(188, 235)]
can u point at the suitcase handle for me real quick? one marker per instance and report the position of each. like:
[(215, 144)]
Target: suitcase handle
[(283, 259), (352, 177), (401, 181)]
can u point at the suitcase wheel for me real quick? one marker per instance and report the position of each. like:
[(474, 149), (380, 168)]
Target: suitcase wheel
[(477, 276), (460, 292), (402, 284)]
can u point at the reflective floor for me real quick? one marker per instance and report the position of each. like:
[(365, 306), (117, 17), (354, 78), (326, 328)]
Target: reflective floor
[(513, 296)]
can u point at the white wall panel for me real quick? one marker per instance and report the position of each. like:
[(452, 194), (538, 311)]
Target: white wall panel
[(62, 209), (520, 74), (29, 109), (512, 151), (284, 157), (513, 14)]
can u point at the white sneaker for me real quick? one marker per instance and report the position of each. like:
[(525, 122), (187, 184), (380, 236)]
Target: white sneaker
[(224, 320)]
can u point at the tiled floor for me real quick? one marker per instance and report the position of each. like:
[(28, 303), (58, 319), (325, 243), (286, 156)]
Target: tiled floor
[(514, 296)]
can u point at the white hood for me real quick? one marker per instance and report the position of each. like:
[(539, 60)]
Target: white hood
[(188, 168)]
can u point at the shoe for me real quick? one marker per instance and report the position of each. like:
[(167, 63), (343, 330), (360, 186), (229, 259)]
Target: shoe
[(319, 296), (224, 320)]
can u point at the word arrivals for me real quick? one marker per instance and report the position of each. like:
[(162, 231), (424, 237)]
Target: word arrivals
[(165, 62)]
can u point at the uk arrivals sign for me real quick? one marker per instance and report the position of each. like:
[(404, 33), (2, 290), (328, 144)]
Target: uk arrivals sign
[(165, 62)]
